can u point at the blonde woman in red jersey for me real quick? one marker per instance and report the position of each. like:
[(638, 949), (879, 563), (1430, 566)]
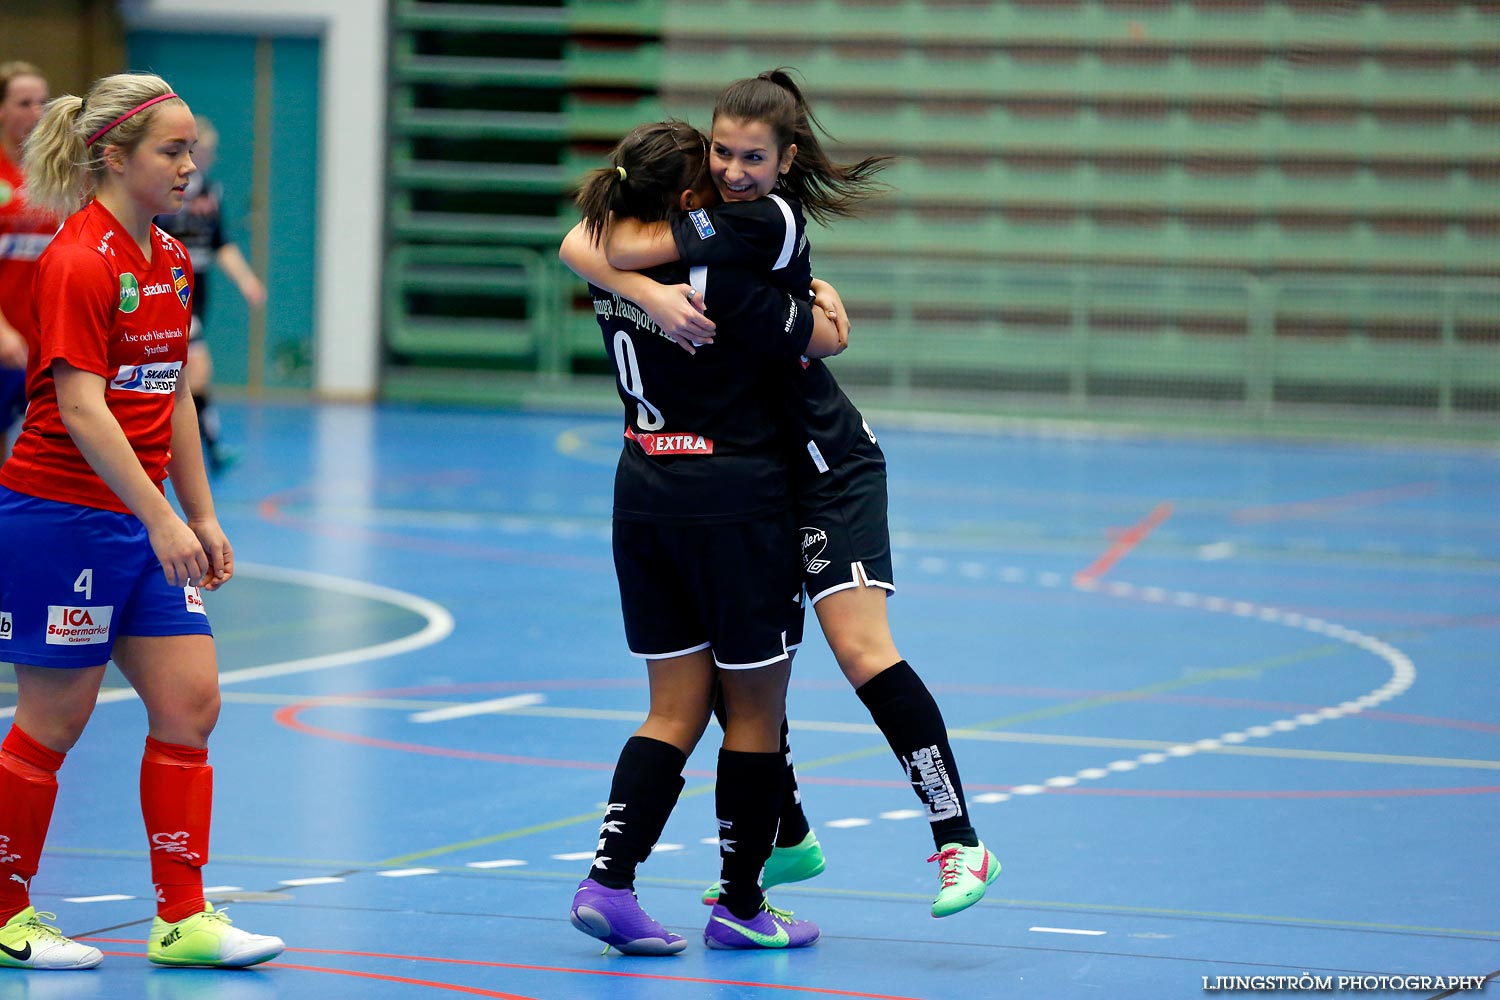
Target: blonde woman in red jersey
[(97, 564), (24, 233)]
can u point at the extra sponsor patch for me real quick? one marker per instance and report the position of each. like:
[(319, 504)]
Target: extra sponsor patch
[(160, 378), (702, 223), (130, 293), (194, 600), (180, 285), (78, 626), (672, 444), (6, 628)]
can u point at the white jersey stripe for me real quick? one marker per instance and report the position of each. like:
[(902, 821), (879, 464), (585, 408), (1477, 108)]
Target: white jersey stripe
[(790, 242)]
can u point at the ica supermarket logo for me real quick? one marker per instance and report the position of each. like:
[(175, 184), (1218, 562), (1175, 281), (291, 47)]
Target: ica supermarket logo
[(130, 293)]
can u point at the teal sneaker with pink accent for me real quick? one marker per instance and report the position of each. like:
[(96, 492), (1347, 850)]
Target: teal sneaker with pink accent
[(797, 863), (966, 872)]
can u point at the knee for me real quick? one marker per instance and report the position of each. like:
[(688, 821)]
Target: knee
[(188, 720), (861, 659)]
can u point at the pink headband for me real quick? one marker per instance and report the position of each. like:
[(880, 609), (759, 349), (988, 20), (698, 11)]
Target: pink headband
[(128, 115)]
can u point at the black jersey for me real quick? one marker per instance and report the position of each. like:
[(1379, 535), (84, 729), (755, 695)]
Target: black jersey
[(770, 234), (199, 227), (704, 444)]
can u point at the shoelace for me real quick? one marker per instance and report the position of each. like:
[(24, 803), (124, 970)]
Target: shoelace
[(221, 915), (950, 863), (37, 924), (785, 916)]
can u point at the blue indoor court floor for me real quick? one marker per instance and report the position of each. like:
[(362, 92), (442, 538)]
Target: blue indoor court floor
[(1222, 707)]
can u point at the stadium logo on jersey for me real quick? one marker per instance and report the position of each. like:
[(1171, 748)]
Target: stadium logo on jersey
[(701, 223), (814, 541), (194, 600), (672, 444), (180, 283), (6, 628), (130, 293), (78, 626), (160, 378)]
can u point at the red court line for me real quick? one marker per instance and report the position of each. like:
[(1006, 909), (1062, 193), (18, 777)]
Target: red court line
[(1127, 540), (476, 991), (822, 991), (288, 717), (1330, 505)]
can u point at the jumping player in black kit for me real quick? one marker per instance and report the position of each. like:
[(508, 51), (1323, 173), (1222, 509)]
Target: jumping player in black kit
[(702, 522), (768, 165)]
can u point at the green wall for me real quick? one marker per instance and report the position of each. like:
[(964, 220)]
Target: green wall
[(224, 76)]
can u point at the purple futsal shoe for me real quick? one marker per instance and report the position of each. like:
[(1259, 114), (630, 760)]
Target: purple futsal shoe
[(769, 928), (615, 917)]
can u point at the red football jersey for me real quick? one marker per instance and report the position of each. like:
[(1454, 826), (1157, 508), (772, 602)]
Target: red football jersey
[(103, 308), (24, 234)]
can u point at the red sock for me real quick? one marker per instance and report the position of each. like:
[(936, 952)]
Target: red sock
[(28, 789), (177, 791)]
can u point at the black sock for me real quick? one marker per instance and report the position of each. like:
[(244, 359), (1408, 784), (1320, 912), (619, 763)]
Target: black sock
[(748, 791), (906, 713), (647, 781), (794, 826)]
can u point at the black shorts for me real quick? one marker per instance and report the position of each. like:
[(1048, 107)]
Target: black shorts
[(845, 531), (732, 588)]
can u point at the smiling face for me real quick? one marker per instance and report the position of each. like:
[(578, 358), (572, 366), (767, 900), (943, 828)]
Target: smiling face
[(744, 160), (25, 100), (155, 174)]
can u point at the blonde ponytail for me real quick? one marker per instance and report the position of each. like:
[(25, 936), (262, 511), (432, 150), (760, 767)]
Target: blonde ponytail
[(62, 167)]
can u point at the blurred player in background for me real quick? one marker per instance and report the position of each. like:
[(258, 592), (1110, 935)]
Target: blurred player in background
[(199, 226), (24, 234)]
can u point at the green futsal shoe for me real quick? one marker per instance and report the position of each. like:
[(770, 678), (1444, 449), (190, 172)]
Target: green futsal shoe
[(966, 872), (797, 863), (209, 939), (28, 941)]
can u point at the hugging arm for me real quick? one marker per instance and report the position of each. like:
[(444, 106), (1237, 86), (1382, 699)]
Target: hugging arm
[(677, 309)]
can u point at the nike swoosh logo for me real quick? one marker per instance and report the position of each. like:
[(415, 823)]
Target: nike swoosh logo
[(984, 869), (20, 956), (778, 940)]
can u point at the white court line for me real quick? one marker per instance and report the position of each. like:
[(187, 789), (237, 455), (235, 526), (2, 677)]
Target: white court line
[(478, 708), (1065, 930), (110, 898), (439, 626)]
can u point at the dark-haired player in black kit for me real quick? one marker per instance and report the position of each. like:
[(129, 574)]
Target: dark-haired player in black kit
[(704, 554), (768, 163)]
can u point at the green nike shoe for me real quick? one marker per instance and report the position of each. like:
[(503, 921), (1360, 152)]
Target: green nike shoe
[(797, 863), (209, 939), (27, 941), (966, 872)]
